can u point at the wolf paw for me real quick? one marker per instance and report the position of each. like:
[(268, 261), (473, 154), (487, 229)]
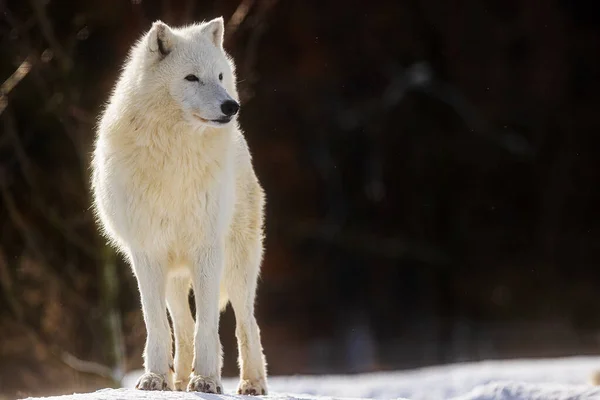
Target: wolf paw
[(199, 383), (252, 387), (152, 381), (595, 378)]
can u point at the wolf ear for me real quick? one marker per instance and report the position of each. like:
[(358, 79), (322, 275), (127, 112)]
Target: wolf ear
[(161, 39), (215, 29)]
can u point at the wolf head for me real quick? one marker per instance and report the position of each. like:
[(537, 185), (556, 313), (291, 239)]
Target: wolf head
[(191, 64)]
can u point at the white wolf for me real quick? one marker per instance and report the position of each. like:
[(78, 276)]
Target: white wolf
[(175, 191)]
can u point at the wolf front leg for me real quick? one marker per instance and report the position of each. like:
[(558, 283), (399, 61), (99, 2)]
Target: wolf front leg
[(206, 277), (178, 289), (241, 281), (151, 278)]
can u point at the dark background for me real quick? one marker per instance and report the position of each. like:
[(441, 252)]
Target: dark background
[(431, 170)]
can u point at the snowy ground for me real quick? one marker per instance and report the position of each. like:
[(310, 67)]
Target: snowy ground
[(551, 379)]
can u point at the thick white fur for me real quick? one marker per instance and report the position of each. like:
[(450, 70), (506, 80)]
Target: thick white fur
[(178, 196)]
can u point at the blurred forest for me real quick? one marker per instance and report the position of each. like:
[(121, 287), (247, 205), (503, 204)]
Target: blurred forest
[(431, 173)]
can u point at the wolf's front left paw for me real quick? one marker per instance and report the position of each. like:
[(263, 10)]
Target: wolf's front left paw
[(199, 383), (249, 387), (152, 381)]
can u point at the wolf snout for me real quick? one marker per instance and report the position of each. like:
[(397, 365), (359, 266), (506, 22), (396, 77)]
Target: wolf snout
[(230, 107)]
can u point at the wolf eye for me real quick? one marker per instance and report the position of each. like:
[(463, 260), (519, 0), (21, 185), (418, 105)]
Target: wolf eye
[(192, 78), (221, 76)]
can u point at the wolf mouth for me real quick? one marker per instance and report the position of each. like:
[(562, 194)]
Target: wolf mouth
[(223, 120)]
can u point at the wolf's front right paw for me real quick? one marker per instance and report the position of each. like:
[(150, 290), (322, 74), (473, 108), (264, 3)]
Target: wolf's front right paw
[(152, 381), (204, 384), (248, 387)]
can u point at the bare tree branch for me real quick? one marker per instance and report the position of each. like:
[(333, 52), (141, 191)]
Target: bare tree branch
[(88, 367), (251, 53), (13, 81), (50, 214), (20, 222), (238, 17), (112, 320), (30, 237), (46, 26)]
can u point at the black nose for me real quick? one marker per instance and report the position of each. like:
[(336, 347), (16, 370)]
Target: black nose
[(230, 108)]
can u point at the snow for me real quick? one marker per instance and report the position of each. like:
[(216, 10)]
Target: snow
[(540, 379)]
